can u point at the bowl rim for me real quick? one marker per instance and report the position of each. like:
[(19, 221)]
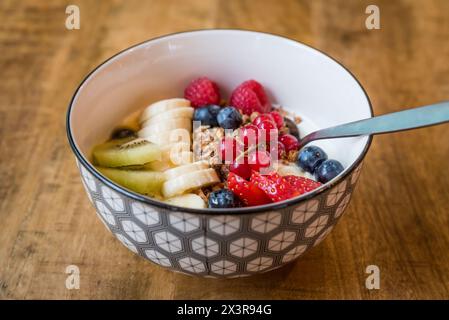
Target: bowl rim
[(215, 211)]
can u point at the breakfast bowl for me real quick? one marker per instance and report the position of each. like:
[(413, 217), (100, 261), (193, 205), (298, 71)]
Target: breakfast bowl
[(220, 243)]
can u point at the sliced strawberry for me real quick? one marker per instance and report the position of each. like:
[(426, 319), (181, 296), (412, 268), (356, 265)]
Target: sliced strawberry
[(302, 184), (246, 191), (274, 186)]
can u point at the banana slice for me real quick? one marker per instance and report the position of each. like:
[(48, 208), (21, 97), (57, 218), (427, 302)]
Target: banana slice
[(189, 200), (162, 106), (188, 168), (189, 181), (168, 125), (171, 156), (169, 137), (182, 112), (292, 170), (179, 159)]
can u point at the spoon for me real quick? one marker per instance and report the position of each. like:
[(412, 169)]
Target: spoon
[(429, 115)]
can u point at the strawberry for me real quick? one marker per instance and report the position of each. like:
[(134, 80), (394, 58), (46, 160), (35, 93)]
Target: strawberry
[(274, 186), (246, 191), (302, 184), (202, 91), (249, 97)]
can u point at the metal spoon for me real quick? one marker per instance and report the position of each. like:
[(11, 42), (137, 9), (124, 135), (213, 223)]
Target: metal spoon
[(391, 122)]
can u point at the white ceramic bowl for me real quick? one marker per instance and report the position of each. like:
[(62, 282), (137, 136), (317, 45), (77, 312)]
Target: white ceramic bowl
[(220, 242)]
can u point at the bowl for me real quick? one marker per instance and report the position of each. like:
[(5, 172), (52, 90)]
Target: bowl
[(219, 243)]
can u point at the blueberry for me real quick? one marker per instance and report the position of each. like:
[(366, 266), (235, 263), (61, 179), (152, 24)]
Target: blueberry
[(328, 170), (207, 115), (121, 133), (292, 127), (229, 118), (310, 158), (223, 198)]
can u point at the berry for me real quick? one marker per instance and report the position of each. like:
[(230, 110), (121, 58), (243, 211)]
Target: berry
[(292, 127), (250, 96), (258, 160), (261, 118), (268, 131), (121, 133), (302, 184), (247, 191), (241, 168), (207, 115), (274, 186), (228, 149), (229, 118), (277, 118), (328, 170), (290, 142), (310, 158), (249, 134), (202, 91), (277, 149), (223, 198)]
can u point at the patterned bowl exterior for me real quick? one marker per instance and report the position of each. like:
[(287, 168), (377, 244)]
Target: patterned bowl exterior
[(219, 246)]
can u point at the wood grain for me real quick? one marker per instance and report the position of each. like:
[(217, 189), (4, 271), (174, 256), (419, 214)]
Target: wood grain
[(398, 218)]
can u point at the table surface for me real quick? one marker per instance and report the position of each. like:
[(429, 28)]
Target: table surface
[(398, 218)]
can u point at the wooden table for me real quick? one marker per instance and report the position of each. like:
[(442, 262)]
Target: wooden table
[(399, 216)]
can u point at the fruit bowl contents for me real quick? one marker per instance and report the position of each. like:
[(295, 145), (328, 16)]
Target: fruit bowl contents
[(203, 151)]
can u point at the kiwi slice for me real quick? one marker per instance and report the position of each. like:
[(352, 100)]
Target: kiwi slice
[(125, 152), (140, 181)]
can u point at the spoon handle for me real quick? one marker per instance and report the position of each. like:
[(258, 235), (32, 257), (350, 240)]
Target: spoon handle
[(397, 121)]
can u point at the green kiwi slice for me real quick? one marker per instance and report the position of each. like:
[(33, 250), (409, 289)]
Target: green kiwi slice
[(140, 181), (126, 152)]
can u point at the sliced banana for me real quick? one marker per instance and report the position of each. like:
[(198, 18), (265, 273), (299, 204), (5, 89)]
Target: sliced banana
[(167, 125), (189, 181), (163, 106), (188, 168), (179, 159), (172, 156), (170, 137), (189, 200), (182, 112), (292, 170)]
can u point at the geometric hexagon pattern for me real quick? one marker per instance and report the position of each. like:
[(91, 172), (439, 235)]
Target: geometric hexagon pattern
[(305, 211), (112, 198), (219, 246), (105, 213), (223, 267), (336, 193), (184, 222), (205, 246), (282, 240), (259, 264), (146, 214), (316, 226), (134, 231), (294, 253), (342, 205), (168, 241), (266, 222), (243, 247), (224, 225), (126, 242), (158, 257)]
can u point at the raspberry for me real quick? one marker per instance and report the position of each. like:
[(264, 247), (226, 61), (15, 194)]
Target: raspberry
[(250, 96), (202, 91)]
